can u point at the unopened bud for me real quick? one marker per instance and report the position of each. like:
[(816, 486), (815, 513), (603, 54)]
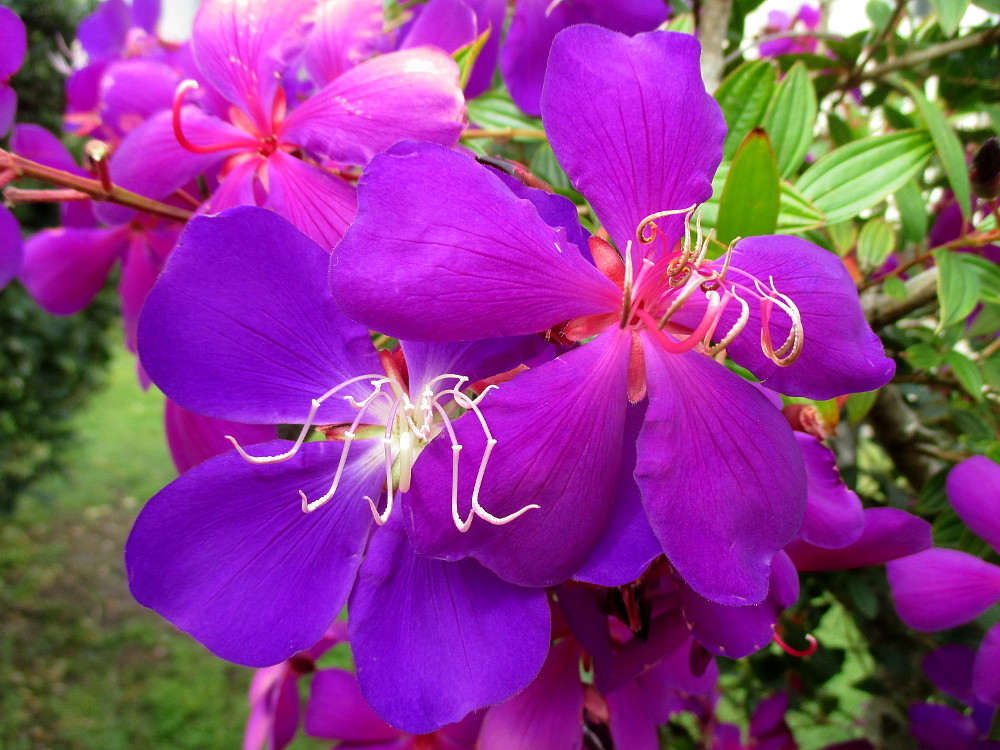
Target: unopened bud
[(985, 172)]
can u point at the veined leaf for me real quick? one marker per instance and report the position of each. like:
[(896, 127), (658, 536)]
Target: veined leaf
[(494, 110), (876, 242), (966, 373), (860, 174), (948, 146), (744, 97), (958, 287), (912, 211), (751, 196), (790, 120), (795, 213)]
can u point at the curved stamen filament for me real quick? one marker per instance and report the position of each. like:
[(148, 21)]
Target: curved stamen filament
[(791, 348), (182, 89), (734, 330), (627, 285), (640, 231)]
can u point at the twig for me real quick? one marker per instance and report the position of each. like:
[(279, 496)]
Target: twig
[(906, 441), (881, 309), (22, 167)]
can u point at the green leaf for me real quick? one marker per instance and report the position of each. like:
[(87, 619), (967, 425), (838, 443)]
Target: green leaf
[(912, 212), (966, 373), (958, 287), (949, 13), (795, 215), (844, 235), (879, 13), (743, 97), (544, 164), (495, 110), (683, 22), (790, 120), (751, 196), (876, 241), (466, 56), (859, 404), (895, 287), (860, 174), (948, 146), (989, 277)]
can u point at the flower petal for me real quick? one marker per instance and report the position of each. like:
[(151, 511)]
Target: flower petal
[(942, 588), (134, 89), (441, 250), (559, 431), (344, 33), (950, 669), (840, 354), (13, 43), (631, 142), (628, 544), (888, 534), (941, 727), (834, 517), (241, 325), (462, 638), (241, 45), (193, 439), (337, 711), (536, 23), (547, 714), (315, 201), (445, 24), (38, 144), (631, 723), (103, 32), (722, 495), (473, 359), (64, 268), (226, 554), (986, 668), (410, 94), (974, 490)]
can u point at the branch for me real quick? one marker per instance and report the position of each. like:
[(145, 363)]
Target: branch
[(713, 23), (903, 62), (908, 443), (94, 189), (881, 309)]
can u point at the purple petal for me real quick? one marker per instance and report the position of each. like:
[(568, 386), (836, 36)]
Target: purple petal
[(555, 210), (408, 94), (337, 710), (631, 144), (10, 247), (8, 107), (132, 90), (841, 354), (241, 325), (986, 669), (631, 723), (240, 186), (463, 639), (442, 251), (38, 144), (535, 25), (241, 45), (446, 24), (344, 33), (974, 490), (548, 714), (146, 14), (559, 432), (226, 554), (473, 359), (147, 252), (723, 496), (888, 534), (103, 32), (834, 517), (740, 631), (193, 439), (942, 588), (490, 14), (940, 727), (13, 43), (64, 268), (315, 201), (674, 674), (628, 544), (151, 162), (950, 669)]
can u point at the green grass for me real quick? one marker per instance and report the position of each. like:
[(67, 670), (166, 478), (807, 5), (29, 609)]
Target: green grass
[(82, 665)]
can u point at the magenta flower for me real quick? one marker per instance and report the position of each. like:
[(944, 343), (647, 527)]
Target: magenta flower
[(242, 49), (444, 249), (13, 45), (806, 19), (254, 553)]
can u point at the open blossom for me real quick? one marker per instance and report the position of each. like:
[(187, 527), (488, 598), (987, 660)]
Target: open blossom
[(256, 551), (444, 249)]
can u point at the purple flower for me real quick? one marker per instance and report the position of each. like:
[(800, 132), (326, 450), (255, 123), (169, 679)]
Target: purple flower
[(444, 249), (13, 45), (807, 19), (255, 552)]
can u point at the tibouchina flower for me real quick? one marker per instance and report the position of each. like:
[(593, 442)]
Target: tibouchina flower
[(444, 250), (255, 552), (13, 45)]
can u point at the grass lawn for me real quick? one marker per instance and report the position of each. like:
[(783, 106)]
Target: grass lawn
[(82, 666)]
